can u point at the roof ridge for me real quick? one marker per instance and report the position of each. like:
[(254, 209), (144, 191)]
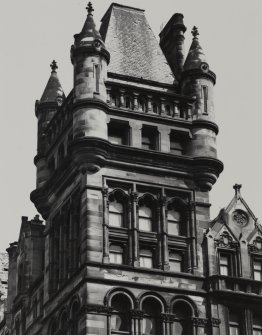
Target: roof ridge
[(115, 4)]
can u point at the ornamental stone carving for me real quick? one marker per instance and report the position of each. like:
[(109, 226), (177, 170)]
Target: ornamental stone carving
[(240, 217)]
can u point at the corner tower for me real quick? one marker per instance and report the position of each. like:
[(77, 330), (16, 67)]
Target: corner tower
[(90, 59), (198, 82), (45, 109)]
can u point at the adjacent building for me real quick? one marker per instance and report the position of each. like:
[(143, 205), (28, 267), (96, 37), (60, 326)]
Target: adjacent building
[(125, 164)]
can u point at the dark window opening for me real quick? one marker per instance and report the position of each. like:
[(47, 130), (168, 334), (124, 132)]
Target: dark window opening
[(178, 143), (97, 76), (149, 138), (205, 97), (118, 133), (183, 315), (120, 319), (151, 324)]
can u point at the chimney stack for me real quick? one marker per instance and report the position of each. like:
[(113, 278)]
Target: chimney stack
[(172, 43)]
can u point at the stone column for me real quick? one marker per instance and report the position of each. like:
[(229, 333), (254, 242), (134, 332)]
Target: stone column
[(159, 235), (165, 253), (122, 100), (130, 235), (105, 226), (135, 230), (192, 233)]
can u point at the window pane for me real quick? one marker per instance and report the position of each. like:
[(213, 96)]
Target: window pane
[(224, 265), (119, 322), (234, 330), (145, 224), (149, 326), (115, 139), (115, 258), (173, 228), (177, 328), (115, 220), (145, 218), (146, 262), (116, 210)]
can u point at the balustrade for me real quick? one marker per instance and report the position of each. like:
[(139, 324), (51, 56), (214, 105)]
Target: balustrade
[(165, 106)]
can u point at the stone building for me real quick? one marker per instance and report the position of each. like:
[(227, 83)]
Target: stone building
[(125, 164)]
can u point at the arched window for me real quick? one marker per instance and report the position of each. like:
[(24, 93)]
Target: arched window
[(61, 154), (120, 318), (74, 318), (64, 323), (151, 323), (257, 324), (183, 316), (52, 330), (235, 323), (20, 276), (116, 211)]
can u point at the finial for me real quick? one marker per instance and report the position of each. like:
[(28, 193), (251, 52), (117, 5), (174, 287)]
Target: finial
[(89, 8), (54, 66), (195, 32), (237, 188)]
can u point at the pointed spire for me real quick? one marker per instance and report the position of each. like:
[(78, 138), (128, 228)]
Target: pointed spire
[(196, 58), (89, 36), (53, 91), (237, 188)]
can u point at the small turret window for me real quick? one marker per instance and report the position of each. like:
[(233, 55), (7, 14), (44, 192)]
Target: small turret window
[(205, 97), (97, 76)]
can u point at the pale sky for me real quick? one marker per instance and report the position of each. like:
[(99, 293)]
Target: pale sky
[(33, 33)]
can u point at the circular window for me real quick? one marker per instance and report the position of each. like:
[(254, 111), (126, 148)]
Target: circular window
[(204, 67), (240, 217)]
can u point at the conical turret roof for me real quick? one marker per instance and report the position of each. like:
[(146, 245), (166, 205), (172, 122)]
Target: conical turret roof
[(53, 89), (196, 57), (89, 32)]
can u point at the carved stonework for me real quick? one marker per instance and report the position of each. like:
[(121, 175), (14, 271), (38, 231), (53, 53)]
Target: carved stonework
[(199, 322), (240, 217), (165, 317), (136, 314), (215, 322), (226, 241), (96, 309), (256, 246)]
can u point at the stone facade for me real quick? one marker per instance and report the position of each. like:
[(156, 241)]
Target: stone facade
[(125, 164)]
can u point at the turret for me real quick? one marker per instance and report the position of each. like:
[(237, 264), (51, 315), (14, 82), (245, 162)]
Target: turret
[(53, 97), (172, 43), (90, 60), (197, 81)]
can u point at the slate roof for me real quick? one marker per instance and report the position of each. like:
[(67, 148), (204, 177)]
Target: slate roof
[(195, 56), (53, 89), (133, 46)]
